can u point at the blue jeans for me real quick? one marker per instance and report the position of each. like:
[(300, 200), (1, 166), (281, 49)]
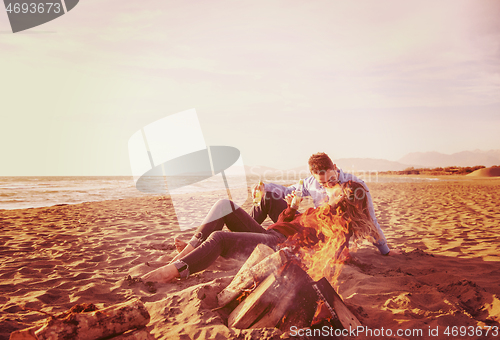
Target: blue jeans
[(210, 241), (270, 206)]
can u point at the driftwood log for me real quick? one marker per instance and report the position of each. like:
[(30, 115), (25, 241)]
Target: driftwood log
[(335, 304), (289, 298), (251, 274), (259, 253), (301, 312), (275, 297), (256, 304), (98, 324)]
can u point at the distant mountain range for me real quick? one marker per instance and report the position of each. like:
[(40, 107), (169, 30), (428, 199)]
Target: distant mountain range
[(362, 164), (414, 159), (464, 158)]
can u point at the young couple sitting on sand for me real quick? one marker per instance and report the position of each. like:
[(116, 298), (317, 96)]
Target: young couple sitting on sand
[(334, 193)]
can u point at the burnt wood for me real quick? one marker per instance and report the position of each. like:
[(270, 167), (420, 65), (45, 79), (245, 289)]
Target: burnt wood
[(335, 304)]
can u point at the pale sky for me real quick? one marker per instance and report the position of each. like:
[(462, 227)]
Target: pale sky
[(279, 80)]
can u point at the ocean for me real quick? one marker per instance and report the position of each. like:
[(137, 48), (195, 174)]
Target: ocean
[(34, 192)]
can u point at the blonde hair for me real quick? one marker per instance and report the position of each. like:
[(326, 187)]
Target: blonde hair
[(349, 215), (354, 209)]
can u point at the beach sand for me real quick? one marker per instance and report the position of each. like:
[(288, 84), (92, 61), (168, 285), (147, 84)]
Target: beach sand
[(449, 274)]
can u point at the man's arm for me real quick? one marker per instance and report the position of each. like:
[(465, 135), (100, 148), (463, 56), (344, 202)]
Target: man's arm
[(279, 191), (382, 243)]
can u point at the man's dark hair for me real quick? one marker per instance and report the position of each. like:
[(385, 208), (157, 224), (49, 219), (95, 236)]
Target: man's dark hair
[(320, 162)]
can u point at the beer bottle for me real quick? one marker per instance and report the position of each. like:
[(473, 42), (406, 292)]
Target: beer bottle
[(298, 196), (258, 195)]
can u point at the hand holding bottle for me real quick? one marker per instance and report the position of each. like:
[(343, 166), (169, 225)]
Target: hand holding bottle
[(297, 196), (258, 191), (335, 195), (293, 200), (334, 200)]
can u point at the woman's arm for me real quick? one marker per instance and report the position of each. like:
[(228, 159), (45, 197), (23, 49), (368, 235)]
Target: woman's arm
[(288, 214)]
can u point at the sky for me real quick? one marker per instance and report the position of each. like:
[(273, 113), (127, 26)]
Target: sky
[(278, 80)]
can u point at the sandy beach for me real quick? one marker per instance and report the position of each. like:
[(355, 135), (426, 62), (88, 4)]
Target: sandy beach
[(448, 275)]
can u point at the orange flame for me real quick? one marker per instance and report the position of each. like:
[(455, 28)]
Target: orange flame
[(322, 242), (325, 258), (322, 235)]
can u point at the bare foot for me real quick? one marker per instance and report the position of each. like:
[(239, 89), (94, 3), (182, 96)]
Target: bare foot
[(163, 274), (187, 249), (179, 244)]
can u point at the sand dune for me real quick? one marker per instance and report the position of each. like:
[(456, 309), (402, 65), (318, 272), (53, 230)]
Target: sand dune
[(56, 257), (494, 171)]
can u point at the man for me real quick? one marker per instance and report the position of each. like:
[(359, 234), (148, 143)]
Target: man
[(325, 175)]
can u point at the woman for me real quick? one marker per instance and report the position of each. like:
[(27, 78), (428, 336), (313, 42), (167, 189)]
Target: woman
[(329, 226)]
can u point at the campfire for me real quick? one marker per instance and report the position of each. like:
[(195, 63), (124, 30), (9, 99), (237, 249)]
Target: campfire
[(291, 287), (283, 295)]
